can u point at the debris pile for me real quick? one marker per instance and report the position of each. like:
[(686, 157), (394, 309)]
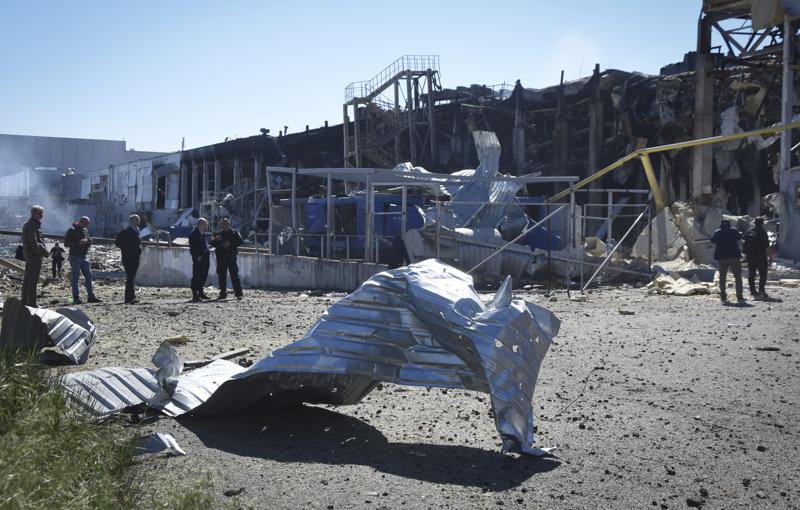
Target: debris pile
[(420, 325)]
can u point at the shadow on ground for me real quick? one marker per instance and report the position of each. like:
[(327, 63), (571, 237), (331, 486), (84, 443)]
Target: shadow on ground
[(314, 435)]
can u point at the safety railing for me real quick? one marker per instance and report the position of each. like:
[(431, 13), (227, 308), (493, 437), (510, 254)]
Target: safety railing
[(413, 63)]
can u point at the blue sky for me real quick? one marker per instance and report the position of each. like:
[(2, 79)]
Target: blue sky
[(154, 72)]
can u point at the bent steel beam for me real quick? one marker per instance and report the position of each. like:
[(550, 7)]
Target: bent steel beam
[(642, 153)]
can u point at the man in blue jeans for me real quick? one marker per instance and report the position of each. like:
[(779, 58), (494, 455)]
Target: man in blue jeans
[(77, 240)]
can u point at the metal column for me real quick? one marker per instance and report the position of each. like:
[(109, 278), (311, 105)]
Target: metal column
[(217, 177), (356, 133), (703, 113), (205, 180), (789, 181), (412, 129), (184, 186), (431, 120), (368, 219), (329, 216), (294, 213), (194, 184), (397, 121), (346, 136), (271, 246)]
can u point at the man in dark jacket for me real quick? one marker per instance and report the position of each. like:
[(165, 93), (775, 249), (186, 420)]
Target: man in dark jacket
[(130, 244), (57, 256), (33, 249), (756, 243), (727, 254), (77, 240), (226, 245), (198, 248)]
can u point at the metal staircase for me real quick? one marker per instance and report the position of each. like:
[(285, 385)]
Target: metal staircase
[(393, 115)]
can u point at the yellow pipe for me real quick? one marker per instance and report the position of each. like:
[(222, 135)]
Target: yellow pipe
[(651, 179), (671, 147)]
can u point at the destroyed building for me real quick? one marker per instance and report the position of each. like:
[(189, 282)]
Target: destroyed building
[(573, 128)]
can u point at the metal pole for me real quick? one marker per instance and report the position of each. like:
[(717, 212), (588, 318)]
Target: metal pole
[(256, 199), (294, 213), (608, 216), (412, 135), (403, 216), (570, 232), (583, 245), (368, 219), (616, 247), (438, 228), (346, 135), (329, 214), (517, 238), (357, 134), (649, 239), (549, 253), (431, 118), (270, 248), (397, 121), (653, 182), (787, 93)]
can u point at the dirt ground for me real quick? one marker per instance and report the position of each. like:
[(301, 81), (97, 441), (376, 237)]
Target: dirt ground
[(679, 402)]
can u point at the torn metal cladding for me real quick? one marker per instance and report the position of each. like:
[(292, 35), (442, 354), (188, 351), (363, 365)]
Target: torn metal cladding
[(68, 330), (420, 325)]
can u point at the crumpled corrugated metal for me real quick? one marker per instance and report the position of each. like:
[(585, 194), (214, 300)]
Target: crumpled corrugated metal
[(419, 325), (68, 330)]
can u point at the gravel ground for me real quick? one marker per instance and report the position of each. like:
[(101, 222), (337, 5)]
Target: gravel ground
[(675, 403)]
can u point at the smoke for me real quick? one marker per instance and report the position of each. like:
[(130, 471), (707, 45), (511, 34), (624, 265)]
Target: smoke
[(14, 156)]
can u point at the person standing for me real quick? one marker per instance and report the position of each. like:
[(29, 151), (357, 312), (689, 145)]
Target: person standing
[(756, 243), (198, 248), (226, 244), (728, 256), (57, 256), (77, 240), (130, 244), (33, 249)]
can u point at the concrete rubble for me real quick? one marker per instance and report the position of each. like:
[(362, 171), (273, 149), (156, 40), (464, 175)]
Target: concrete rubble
[(420, 325), (676, 285)]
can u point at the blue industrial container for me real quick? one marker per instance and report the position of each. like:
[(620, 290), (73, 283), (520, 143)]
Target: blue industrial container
[(350, 216)]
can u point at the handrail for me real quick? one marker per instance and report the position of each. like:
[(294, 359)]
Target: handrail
[(413, 63)]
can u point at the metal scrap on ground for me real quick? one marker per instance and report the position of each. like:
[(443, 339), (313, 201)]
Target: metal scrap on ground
[(420, 325), (67, 329)]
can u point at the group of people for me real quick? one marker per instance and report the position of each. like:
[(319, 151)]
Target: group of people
[(729, 258), (226, 245), (227, 241), (77, 242)]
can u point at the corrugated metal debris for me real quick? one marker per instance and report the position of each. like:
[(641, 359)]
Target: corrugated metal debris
[(157, 443), (68, 330), (420, 325)]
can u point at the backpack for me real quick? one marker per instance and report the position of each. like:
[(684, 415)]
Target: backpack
[(20, 253)]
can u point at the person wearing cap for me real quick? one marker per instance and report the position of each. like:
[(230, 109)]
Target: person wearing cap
[(728, 256), (756, 243)]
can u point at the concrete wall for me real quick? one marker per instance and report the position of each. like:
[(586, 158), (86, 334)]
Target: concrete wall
[(172, 267)]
